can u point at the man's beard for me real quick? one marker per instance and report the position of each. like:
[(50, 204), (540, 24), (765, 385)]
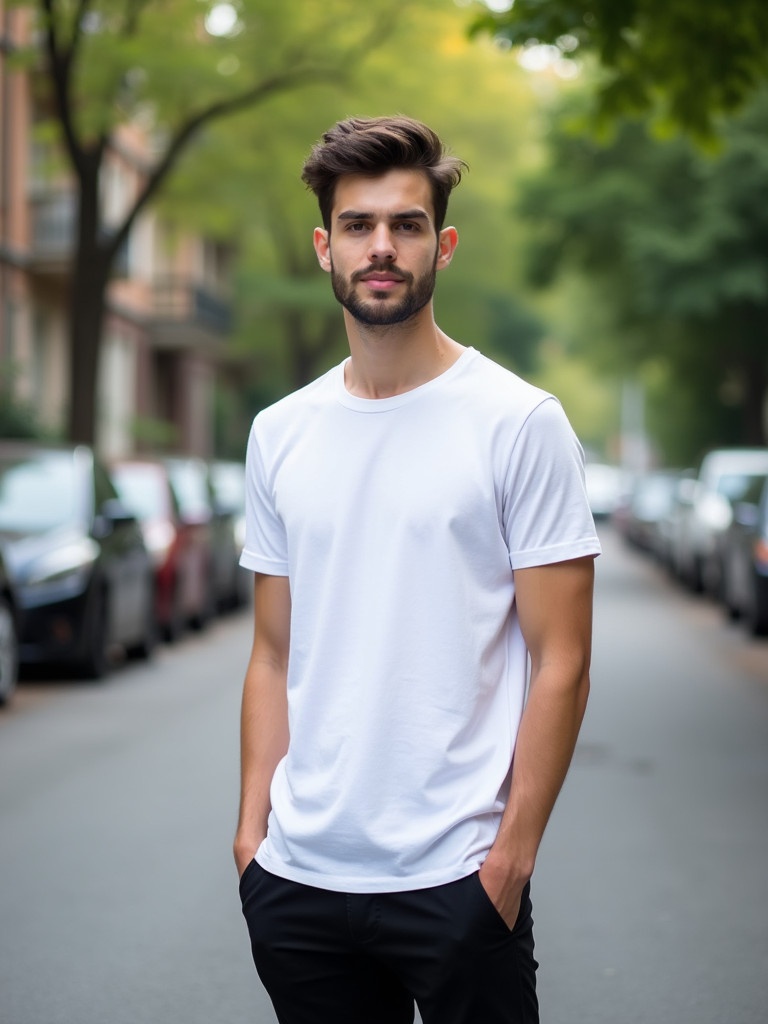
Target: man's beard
[(380, 311)]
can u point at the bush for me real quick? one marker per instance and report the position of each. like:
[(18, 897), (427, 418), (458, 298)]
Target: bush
[(18, 419)]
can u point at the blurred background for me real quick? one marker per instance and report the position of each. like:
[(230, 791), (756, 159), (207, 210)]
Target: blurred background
[(157, 282), (158, 287)]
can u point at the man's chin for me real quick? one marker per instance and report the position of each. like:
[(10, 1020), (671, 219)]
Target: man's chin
[(384, 321), (379, 314), (383, 312)]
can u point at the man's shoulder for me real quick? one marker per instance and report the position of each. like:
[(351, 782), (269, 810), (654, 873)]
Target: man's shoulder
[(497, 386)]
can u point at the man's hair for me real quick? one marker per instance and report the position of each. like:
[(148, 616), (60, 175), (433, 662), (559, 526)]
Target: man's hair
[(373, 146)]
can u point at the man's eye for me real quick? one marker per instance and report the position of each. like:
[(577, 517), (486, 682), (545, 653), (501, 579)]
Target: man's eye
[(356, 228), (408, 226)]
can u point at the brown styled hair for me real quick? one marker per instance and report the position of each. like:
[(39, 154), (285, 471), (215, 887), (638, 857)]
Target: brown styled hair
[(374, 146)]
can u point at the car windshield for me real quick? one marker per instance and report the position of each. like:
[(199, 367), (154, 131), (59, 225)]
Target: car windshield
[(229, 482), (37, 492), (734, 485), (653, 495), (189, 484), (141, 489)]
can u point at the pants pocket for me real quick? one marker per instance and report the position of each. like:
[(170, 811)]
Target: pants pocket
[(492, 910), (246, 876)]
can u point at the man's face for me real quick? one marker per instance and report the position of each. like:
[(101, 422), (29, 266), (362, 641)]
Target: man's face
[(383, 250)]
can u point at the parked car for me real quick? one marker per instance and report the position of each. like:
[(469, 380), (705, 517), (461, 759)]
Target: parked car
[(179, 545), (189, 479), (723, 478), (9, 639), (76, 559), (649, 502), (606, 485), (745, 558), (670, 524), (194, 489), (228, 484)]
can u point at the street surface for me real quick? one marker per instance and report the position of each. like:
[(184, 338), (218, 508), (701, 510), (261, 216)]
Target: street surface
[(118, 895)]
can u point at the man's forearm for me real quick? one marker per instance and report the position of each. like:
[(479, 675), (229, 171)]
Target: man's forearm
[(263, 742), (546, 740), (545, 745), (554, 604)]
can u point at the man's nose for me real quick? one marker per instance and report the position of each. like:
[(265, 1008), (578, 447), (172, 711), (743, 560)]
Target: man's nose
[(381, 245)]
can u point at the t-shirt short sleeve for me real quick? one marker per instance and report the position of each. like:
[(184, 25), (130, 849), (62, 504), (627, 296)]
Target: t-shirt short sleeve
[(546, 512), (265, 548)]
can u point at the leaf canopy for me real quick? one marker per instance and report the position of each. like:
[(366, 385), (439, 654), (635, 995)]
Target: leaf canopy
[(691, 61)]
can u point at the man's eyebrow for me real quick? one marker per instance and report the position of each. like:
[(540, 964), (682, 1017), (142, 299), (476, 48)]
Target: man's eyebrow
[(416, 214)]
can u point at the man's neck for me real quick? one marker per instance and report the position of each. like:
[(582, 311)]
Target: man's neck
[(388, 361)]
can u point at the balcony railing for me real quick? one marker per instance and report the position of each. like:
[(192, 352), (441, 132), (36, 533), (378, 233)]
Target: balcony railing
[(188, 313), (54, 230), (53, 226)]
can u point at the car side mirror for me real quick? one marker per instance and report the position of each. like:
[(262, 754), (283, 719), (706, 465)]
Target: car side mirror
[(111, 514)]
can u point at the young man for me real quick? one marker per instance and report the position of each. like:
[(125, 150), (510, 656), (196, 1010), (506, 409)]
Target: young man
[(419, 531)]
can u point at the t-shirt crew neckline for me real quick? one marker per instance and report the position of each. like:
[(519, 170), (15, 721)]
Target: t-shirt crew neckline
[(395, 401)]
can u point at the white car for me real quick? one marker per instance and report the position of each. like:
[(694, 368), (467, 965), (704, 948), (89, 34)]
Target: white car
[(723, 478), (606, 485)]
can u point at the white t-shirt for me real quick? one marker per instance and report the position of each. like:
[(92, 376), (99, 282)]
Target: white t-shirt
[(400, 522)]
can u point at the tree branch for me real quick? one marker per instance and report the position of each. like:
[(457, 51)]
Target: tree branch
[(133, 9), (184, 133), (77, 25), (77, 31), (280, 82), (60, 60)]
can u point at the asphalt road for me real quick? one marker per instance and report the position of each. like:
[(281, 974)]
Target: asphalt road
[(651, 891), (118, 900)]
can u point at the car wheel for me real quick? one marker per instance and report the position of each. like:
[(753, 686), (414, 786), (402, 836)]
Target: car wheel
[(695, 577), (757, 619), (730, 604), (9, 652), (207, 611), (176, 623), (96, 660), (146, 646)]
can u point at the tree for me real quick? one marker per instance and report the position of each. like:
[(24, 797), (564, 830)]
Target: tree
[(674, 243), (692, 61), (175, 67)]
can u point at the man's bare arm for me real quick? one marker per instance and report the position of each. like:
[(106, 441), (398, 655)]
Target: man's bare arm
[(264, 716), (554, 605)]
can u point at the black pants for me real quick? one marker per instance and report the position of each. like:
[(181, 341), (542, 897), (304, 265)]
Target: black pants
[(344, 958)]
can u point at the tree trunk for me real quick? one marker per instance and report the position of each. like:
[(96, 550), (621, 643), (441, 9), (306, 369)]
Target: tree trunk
[(752, 321), (90, 277), (300, 348), (754, 400), (309, 345)]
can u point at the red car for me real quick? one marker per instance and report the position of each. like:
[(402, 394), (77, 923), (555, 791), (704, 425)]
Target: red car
[(179, 544)]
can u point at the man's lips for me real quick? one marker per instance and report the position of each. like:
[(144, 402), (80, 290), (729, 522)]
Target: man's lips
[(381, 282)]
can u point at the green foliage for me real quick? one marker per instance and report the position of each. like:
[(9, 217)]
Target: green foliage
[(163, 63), (675, 246), (691, 61), (154, 435), (18, 418), (590, 401)]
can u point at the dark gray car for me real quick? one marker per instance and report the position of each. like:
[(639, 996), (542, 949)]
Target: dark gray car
[(76, 559), (745, 558), (9, 640)]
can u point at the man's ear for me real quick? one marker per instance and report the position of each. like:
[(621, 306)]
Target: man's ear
[(447, 241), (322, 245)]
